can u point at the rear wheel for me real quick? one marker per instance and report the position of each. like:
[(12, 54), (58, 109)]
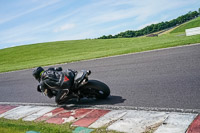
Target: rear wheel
[(96, 89)]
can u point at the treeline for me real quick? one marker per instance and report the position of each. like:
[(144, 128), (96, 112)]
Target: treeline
[(154, 27)]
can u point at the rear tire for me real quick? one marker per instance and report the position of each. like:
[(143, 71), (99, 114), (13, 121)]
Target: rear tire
[(97, 89)]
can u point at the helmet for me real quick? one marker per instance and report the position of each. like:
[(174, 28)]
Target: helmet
[(37, 73)]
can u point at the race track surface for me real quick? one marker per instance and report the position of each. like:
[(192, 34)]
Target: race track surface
[(167, 78)]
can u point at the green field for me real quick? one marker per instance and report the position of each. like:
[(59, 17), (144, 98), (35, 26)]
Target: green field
[(44, 54), (193, 23), (19, 126)]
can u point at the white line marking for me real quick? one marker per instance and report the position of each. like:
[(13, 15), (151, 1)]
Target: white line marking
[(109, 118), (20, 103), (39, 113), (10, 111), (21, 111), (111, 107), (138, 121), (176, 123)]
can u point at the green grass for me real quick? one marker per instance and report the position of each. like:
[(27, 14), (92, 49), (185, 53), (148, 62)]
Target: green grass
[(191, 24), (104, 130), (19, 126), (43, 54)]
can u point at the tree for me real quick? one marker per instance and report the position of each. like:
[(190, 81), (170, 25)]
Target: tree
[(109, 36), (199, 11), (155, 27)]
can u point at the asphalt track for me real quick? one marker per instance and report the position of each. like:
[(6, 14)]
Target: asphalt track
[(167, 78)]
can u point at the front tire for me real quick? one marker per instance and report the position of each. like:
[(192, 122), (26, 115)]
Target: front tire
[(96, 89)]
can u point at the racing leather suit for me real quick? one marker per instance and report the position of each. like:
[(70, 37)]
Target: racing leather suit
[(55, 79)]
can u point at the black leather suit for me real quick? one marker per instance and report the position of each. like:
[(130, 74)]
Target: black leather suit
[(56, 79)]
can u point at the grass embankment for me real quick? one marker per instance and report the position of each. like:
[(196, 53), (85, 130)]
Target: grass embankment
[(19, 126), (30, 56), (43, 54), (191, 24)]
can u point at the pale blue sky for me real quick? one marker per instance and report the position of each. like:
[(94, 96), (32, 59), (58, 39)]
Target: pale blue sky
[(35, 21)]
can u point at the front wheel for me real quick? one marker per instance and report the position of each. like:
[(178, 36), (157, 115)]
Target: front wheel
[(96, 89)]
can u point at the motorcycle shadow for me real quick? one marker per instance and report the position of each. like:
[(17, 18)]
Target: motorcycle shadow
[(111, 100)]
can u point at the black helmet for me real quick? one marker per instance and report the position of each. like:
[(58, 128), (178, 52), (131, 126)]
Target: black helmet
[(37, 73)]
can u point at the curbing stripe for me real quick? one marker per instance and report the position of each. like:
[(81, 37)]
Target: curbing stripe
[(69, 116), (10, 111), (4, 108), (176, 123), (22, 111), (130, 121), (50, 114), (138, 121), (195, 126), (90, 118), (38, 114), (108, 118), (107, 107), (57, 119)]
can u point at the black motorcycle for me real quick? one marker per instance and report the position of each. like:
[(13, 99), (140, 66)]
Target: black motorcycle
[(84, 88)]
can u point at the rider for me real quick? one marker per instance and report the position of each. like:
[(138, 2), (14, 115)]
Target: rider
[(55, 79)]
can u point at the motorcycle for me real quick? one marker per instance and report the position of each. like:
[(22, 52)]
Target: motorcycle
[(85, 88)]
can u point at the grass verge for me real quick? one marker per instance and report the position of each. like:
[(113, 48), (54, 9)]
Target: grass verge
[(19, 126), (191, 24), (104, 130), (29, 56)]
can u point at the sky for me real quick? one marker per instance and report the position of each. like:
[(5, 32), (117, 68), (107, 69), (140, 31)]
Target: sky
[(35, 21)]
